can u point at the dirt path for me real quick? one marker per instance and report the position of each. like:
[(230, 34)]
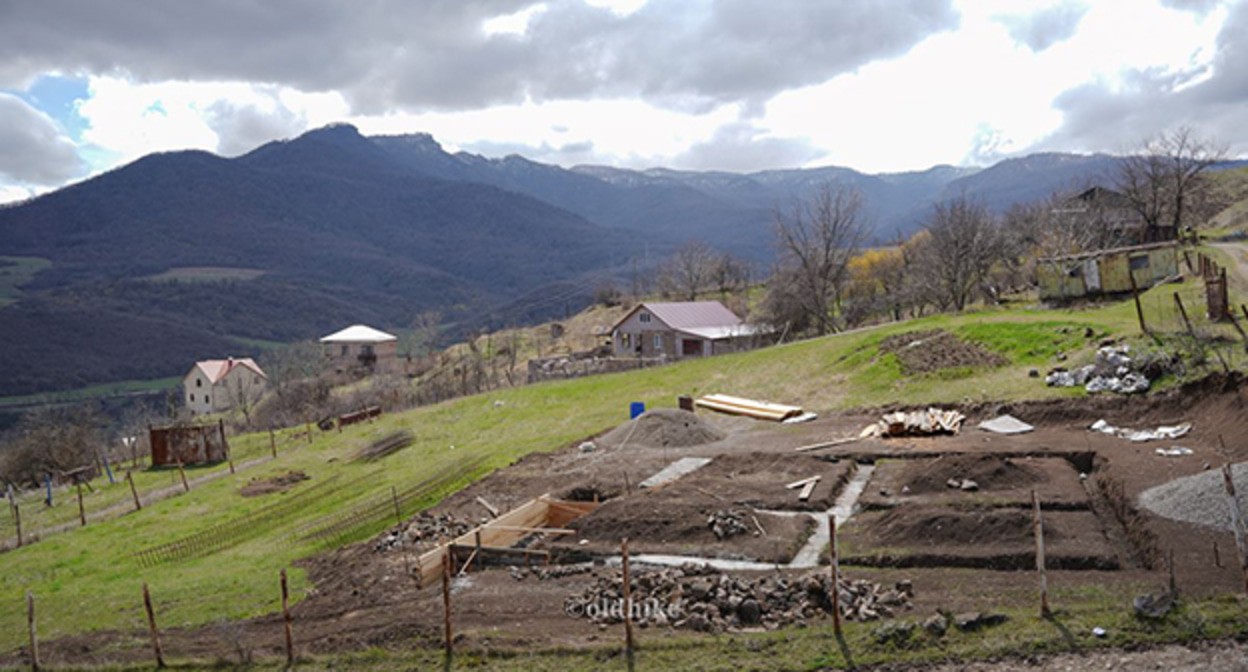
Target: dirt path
[(1237, 251)]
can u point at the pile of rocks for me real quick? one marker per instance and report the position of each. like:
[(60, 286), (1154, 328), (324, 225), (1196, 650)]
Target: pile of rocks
[(1112, 371), (555, 572), (700, 598), (727, 523), (423, 528)]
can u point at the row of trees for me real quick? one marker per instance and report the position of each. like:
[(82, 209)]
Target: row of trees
[(823, 281)]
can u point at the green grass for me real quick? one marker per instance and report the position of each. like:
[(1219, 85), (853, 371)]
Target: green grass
[(206, 274), (88, 579), (15, 272)]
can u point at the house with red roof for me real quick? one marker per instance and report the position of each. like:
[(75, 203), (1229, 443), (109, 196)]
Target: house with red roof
[(216, 385), (680, 330)]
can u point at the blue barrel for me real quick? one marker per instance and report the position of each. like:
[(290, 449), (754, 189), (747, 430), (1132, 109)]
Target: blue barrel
[(635, 409)]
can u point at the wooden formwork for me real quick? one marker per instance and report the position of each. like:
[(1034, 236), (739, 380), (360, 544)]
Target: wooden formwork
[(542, 515)]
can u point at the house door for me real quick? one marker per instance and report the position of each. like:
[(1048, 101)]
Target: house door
[(690, 347)]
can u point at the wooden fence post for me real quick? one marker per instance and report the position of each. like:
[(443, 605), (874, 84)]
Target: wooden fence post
[(30, 627), (1183, 311), (82, 512), (398, 516), (182, 472), (1038, 524), (290, 643), (834, 566), (1237, 521), (628, 604), (17, 521), (272, 444), (1139, 310), (446, 602), (138, 506), (151, 626)]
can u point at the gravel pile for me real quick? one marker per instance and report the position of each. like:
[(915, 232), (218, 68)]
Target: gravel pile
[(697, 597), (555, 572), (422, 528), (1200, 498), (663, 428)]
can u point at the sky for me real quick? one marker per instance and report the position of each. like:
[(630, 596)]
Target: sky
[(735, 85)]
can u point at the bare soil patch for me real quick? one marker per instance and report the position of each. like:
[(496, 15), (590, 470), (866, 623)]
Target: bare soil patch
[(927, 351), (279, 483), (917, 535), (661, 525), (1000, 481)]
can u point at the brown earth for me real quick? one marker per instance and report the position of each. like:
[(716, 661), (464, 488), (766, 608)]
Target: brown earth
[(664, 427), (364, 598), (279, 483), (926, 351), (1001, 481)]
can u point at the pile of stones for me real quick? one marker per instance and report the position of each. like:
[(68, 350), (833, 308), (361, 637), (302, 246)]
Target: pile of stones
[(554, 572), (423, 528), (700, 598), (727, 523)]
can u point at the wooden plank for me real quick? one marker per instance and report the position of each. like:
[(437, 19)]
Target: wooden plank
[(805, 481), (827, 444), (807, 490), (488, 507), (732, 409)]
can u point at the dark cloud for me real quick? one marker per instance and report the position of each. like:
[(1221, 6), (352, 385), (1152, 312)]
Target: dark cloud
[(1047, 27), (386, 54), (32, 150), (1210, 99), (741, 147)]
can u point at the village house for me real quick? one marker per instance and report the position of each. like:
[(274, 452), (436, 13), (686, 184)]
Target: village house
[(216, 385), (679, 330), (362, 349), (1111, 219), (1106, 272)]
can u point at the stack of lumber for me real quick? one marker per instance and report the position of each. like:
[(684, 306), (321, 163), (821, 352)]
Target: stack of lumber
[(762, 410)]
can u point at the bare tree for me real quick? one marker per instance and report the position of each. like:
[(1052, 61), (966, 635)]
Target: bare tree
[(689, 272), (1165, 181), (964, 243), (52, 440), (816, 240)]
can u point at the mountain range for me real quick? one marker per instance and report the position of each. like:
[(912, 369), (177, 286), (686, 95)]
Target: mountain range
[(187, 255)]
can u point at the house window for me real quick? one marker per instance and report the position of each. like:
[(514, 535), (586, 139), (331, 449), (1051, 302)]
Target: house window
[(199, 382), (192, 396), (644, 318), (206, 399), (345, 350), (658, 342), (366, 350), (1139, 263)]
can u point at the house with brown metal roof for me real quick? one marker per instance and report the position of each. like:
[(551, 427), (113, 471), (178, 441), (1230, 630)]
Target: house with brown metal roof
[(679, 330), (216, 385)]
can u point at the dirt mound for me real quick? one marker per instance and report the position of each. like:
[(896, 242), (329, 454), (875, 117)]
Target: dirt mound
[(279, 483), (915, 526), (1200, 498), (989, 472), (664, 428), (926, 351)]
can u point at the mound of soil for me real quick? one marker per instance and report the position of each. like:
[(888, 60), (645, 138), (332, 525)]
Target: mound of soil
[(279, 483), (664, 428), (1200, 498), (906, 526), (926, 351), (989, 472)]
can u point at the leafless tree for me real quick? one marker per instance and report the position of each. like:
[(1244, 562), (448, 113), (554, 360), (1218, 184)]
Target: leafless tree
[(51, 440), (965, 242), (1166, 183), (730, 274), (816, 240), (689, 272)]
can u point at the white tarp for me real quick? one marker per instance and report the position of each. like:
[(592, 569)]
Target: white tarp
[(1005, 424), (1163, 432)]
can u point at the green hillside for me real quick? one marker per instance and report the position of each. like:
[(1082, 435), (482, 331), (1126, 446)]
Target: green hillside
[(89, 578)]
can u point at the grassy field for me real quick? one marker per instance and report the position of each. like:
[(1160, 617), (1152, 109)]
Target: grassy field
[(88, 579), (15, 272), (206, 274)]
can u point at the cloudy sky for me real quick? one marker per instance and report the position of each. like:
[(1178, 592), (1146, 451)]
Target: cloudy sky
[(877, 85)]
